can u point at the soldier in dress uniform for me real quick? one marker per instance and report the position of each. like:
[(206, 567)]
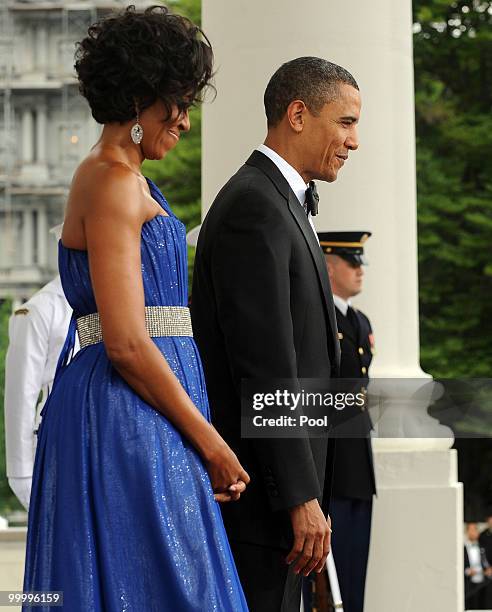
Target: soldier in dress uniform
[(353, 481), (37, 333), (478, 572)]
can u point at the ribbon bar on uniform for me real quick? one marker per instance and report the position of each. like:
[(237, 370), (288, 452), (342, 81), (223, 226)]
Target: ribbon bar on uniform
[(159, 321)]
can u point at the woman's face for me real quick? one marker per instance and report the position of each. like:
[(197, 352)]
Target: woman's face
[(161, 135)]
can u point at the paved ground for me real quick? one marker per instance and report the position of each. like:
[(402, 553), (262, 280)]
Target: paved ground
[(12, 552)]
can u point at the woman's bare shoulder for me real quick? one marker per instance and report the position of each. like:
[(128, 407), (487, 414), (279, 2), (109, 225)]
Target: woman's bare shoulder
[(101, 189), (98, 184)]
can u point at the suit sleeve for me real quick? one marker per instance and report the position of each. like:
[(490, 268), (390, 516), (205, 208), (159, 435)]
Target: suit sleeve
[(24, 367), (250, 275), (466, 561), (368, 323)]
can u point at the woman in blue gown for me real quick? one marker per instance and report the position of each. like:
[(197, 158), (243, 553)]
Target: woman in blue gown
[(128, 472)]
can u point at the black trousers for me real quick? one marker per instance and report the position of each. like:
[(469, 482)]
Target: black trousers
[(268, 582), (351, 520), (477, 596)]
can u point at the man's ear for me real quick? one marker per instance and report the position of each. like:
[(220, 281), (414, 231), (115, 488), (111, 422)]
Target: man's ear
[(330, 264), (295, 115)]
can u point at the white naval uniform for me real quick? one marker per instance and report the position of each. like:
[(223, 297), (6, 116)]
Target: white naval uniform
[(37, 332)]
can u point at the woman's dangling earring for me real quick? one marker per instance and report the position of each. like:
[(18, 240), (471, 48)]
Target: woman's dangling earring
[(137, 131)]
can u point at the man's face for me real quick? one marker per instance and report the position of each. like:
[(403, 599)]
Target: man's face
[(329, 136), (345, 277), (472, 532)]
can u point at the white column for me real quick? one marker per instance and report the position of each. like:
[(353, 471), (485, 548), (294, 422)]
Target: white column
[(27, 135), (419, 498), (28, 48), (22, 60), (42, 235), (27, 237), (41, 125), (41, 47)]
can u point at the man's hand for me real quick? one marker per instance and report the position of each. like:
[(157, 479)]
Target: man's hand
[(312, 532)]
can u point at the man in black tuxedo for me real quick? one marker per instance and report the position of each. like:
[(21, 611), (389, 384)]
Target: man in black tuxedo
[(478, 572), (262, 309), (354, 483)]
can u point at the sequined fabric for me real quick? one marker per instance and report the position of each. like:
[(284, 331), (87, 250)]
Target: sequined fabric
[(122, 515)]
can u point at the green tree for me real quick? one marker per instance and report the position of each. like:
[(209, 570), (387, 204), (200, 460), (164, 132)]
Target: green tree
[(189, 8), (453, 96)]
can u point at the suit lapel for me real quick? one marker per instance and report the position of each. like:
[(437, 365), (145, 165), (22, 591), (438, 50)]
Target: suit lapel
[(262, 162), (319, 261)]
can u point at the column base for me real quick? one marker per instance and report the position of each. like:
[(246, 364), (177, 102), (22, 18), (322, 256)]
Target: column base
[(416, 557)]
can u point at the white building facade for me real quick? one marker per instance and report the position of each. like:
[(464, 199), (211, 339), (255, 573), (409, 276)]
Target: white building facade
[(45, 130)]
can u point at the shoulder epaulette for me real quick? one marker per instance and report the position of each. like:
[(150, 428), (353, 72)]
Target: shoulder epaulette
[(21, 311)]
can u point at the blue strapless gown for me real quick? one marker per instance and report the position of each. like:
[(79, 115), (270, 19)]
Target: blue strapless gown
[(122, 515)]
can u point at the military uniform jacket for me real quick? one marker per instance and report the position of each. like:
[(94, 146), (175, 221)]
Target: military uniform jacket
[(353, 475), (37, 332)]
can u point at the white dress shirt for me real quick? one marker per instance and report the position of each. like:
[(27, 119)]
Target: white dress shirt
[(341, 304), (290, 174), (475, 560)]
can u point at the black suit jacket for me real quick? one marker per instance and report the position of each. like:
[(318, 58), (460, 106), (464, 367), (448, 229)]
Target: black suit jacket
[(262, 307), (472, 587), (485, 541), (353, 475)]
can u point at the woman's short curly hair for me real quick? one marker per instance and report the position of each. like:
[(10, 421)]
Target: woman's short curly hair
[(136, 58)]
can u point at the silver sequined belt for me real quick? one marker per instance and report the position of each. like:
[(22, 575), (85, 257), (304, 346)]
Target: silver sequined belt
[(159, 321)]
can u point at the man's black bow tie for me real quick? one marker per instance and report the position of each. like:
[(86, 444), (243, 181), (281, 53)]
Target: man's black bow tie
[(312, 199)]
